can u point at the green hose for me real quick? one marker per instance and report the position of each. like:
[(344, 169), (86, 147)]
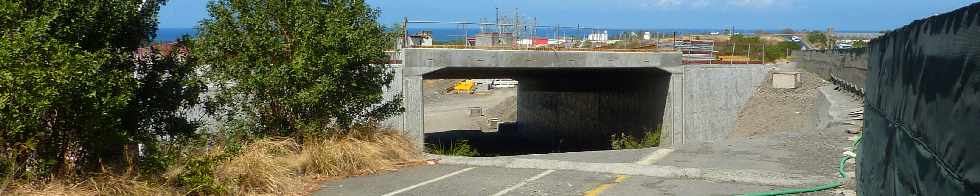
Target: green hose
[(833, 184)]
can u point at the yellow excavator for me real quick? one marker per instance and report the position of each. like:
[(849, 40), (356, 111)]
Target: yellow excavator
[(465, 86)]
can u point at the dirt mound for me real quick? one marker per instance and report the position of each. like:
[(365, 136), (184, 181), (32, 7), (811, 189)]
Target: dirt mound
[(772, 110), (506, 110), (433, 89)]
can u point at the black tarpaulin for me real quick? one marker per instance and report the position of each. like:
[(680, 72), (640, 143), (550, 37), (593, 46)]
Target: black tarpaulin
[(922, 112)]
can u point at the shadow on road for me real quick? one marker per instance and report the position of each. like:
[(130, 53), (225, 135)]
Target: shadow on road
[(506, 143)]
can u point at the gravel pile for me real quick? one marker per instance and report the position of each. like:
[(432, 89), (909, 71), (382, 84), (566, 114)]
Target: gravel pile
[(773, 110)]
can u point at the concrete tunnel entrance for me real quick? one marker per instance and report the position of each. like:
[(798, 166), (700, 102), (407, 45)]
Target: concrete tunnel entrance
[(565, 109)]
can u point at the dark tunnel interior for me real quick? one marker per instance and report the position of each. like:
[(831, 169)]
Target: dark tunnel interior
[(565, 109)]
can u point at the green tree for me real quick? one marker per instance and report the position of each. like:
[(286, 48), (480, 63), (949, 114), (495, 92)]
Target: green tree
[(780, 50), (743, 44), (68, 82), (286, 68), (817, 38), (860, 44), (167, 85)]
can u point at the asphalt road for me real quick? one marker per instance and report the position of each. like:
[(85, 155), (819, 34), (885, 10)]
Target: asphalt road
[(465, 179)]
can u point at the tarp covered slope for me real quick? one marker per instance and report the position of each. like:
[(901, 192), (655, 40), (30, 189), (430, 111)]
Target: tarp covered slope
[(922, 112)]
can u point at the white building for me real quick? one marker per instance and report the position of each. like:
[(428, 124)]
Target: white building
[(599, 37)]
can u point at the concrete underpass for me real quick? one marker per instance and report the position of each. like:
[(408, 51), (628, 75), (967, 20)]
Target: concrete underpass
[(574, 100), (574, 109), (789, 138)]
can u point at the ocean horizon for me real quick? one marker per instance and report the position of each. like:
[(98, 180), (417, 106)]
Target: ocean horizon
[(448, 33)]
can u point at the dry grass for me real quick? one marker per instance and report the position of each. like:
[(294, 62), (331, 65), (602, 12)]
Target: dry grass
[(357, 153), (103, 185), (266, 166), (273, 166)]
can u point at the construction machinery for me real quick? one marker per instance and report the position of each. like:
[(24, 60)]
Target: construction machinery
[(465, 86)]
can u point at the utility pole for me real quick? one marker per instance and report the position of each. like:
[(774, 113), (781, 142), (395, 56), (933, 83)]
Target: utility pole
[(405, 33), (517, 33), (732, 38), (749, 54), (763, 51), (557, 31), (673, 40), (493, 39), (731, 59), (712, 55)]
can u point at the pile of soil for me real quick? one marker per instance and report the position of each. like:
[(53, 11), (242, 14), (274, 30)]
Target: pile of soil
[(506, 110), (773, 110), (432, 89)]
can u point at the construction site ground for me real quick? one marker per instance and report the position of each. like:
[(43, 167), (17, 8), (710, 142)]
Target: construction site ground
[(785, 138)]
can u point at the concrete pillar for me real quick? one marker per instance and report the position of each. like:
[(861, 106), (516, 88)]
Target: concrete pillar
[(672, 130), (412, 120)]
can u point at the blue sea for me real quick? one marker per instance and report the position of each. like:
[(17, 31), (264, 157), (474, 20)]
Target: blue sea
[(443, 34), (447, 34)]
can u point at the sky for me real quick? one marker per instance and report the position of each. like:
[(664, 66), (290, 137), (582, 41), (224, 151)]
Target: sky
[(843, 15)]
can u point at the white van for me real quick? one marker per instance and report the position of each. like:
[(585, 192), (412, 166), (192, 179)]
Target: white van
[(503, 83)]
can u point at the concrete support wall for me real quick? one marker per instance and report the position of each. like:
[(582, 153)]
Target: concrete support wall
[(704, 101)]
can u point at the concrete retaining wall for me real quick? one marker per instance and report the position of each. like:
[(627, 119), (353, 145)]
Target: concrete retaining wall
[(704, 101)]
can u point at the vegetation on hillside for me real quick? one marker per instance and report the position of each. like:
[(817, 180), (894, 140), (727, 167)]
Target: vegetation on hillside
[(74, 98), (817, 38), (296, 68), (89, 107), (860, 44), (753, 47)]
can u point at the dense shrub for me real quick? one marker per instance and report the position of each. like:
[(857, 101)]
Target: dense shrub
[(627, 141), (73, 97), (753, 45), (289, 68), (82, 91)]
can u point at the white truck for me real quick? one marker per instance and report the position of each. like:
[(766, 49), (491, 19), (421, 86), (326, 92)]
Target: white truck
[(503, 83)]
